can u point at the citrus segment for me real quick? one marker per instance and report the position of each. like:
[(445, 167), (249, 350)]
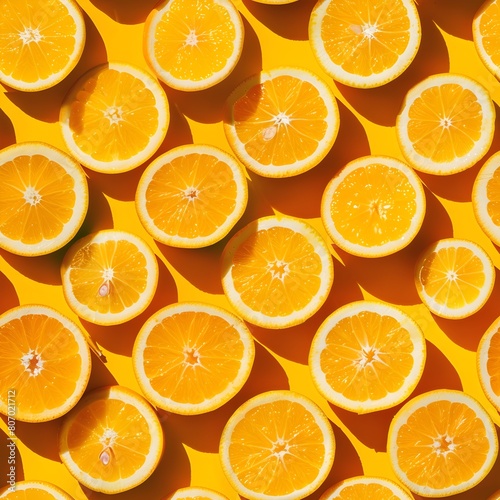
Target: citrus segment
[(374, 206), (34, 490), (366, 487), (485, 33), (278, 444), (196, 493), (281, 122), (44, 363), (488, 363), (191, 196)]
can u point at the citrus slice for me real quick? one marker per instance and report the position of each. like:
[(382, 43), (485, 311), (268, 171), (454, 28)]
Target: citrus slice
[(441, 443), (277, 271), (43, 198), (112, 441), (488, 363), (109, 277), (486, 198), (191, 358), (33, 490), (454, 278), (364, 44), (278, 444), (41, 42), (193, 44), (367, 356), (446, 124), (281, 122), (275, 2), (44, 363), (196, 493), (494, 496), (373, 207), (114, 118), (366, 487), (485, 33), (191, 196)]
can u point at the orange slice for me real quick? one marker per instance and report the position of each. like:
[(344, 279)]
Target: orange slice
[(486, 198), (281, 122), (488, 363), (196, 493), (275, 2), (364, 44), (191, 358), (373, 207), (441, 443), (277, 271), (34, 490), (494, 496), (112, 441), (278, 444), (193, 44), (446, 124), (485, 33), (109, 277), (44, 363), (191, 196), (454, 278), (367, 356), (43, 198), (366, 487), (114, 118), (41, 40)]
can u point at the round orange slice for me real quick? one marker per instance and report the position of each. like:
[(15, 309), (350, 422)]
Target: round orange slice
[(43, 198), (277, 445), (191, 196), (485, 33), (44, 363), (112, 441), (281, 122), (196, 493), (488, 363), (373, 207), (366, 487), (109, 277), (33, 490)]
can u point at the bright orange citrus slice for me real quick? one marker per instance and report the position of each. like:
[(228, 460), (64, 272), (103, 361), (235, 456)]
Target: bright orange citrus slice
[(366, 487), (196, 493), (488, 363), (485, 33), (34, 490)]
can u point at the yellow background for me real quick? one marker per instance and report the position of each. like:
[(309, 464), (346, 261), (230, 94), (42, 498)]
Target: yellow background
[(275, 36)]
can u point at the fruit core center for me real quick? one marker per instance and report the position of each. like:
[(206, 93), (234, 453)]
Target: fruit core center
[(30, 35), (452, 275), (445, 122), (192, 38), (379, 209), (367, 357), (114, 114), (191, 356), (278, 269), (107, 440), (105, 288), (191, 193), (367, 30), (443, 445), (33, 363), (280, 448), (32, 196)]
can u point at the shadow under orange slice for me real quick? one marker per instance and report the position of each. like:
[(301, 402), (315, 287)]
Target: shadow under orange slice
[(126, 11), (8, 296), (7, 132)]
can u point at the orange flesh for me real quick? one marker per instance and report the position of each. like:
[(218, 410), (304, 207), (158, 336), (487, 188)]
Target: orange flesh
[(493, 195), (489, 28), (30, 494), (493, 363), (366, 491)]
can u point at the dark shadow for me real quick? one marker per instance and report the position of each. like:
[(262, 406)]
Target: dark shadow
[(41, 438), (8, 295), (126, 11), (7, 454), (100, 376), (7, 132), (99, 215)]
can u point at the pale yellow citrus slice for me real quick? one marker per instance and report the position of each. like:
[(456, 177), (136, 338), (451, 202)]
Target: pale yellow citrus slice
[(441, 443), (488, 363), (281, 122), (109, 277), (34, 490), (191, 196), (114, 118), (112, 441), (44, 363), (485, 33), (367, 356), (277, 445), (196, 493), (366, 488), (374, 206)]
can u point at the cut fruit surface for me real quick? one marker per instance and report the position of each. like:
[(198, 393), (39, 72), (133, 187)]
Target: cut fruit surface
[(43, 198), (196, 493), (109, 277), (112, 441), (44, 363), (193, 44), (366, 487), (364, 44), (488, 363), (367, 356), (446, 124), (281, 122), (485, 33), (41, 42), (277, 271), (441, 443), (34, 490), (278, 444), (191, 196), (454, 278), (191, 358), (374, 206), (114, 118)]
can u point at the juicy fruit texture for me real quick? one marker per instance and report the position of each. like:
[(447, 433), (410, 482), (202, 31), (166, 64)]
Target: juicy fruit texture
[(112, 441), (114, 118), (364, 44), (488, 363), (367, 356), (278, 444), (34, 490), (190, 358), (441, 443), (195, 493), (109, 277), (41, 42), (446, 124), (277, 271), (281, 122), (191, 196), (485, 33), (374, 206), (44, 363), (454, 278), (43, 198), (366, 487)]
